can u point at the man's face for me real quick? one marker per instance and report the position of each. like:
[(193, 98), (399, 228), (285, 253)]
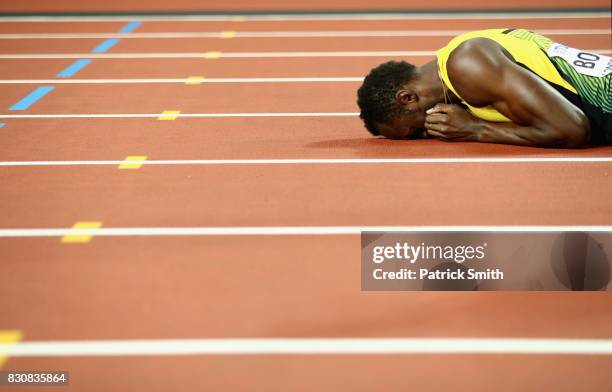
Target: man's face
[(415, 100), (405, 126)]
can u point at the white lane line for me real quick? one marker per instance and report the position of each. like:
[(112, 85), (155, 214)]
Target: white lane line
[(183, 80), (186, 115), (186, 55), (286, 34), (278, 230), (315, 161), (314, 17), (312, 346)]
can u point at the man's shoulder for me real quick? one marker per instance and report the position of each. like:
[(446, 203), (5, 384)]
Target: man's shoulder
[(475, 56), (474, 67)]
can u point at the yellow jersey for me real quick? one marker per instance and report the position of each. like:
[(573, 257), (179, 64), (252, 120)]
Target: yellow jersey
[(524, 52), (584, 79)]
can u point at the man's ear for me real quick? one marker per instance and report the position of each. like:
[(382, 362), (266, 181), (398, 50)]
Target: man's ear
[(404, 97)]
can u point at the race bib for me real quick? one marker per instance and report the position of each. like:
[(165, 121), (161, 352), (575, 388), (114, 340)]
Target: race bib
[(586, 63)]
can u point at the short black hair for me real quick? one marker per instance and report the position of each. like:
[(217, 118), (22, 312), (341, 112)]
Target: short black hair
[(376, 96)]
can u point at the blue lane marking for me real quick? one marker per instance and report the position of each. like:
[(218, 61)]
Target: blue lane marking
[(106, 45), (128, 28), (31, 98), (2, 125), (109, 43), (74, 68)]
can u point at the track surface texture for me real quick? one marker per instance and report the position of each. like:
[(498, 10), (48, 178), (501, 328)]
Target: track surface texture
[(124, 288)]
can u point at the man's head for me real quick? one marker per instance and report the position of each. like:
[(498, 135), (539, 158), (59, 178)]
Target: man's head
[(391, 101)]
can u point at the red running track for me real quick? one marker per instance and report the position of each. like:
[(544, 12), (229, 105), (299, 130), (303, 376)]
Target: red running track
[(289, 286)]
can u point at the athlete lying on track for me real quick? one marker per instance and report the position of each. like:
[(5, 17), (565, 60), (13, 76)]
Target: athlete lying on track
[(494, 86)]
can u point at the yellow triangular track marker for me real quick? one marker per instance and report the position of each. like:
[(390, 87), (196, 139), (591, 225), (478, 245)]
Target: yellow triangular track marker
[(194, 80), (81, 238), (212, 55), (133, 162), (227, 34), (169, 115), (8, 338)]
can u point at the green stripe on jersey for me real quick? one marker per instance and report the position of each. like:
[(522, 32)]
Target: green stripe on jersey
[(596, 91)]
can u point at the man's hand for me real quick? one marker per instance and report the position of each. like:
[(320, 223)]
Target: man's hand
[(452, 123)]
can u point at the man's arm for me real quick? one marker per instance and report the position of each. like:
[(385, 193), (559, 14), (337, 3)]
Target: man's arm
[(484, 74)]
